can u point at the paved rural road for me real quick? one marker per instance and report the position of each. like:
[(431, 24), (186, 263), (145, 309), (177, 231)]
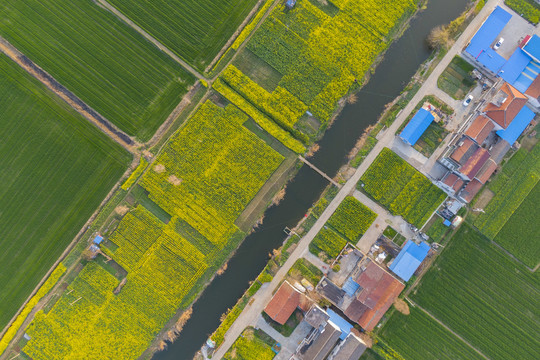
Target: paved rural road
[(251, 312)]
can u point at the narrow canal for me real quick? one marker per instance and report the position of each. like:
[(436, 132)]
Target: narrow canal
[(400, 63)]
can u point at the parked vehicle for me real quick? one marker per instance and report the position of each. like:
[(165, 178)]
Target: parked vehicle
[(498, 44), (468, 100)]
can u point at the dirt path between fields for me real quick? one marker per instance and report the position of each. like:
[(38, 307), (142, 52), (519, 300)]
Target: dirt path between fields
[(76, 103), (447, 328), (147, 36)]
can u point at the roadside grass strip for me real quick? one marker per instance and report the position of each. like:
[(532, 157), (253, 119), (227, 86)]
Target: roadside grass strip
[(486, 297), (56, 170), (100, 59), (401, 188)]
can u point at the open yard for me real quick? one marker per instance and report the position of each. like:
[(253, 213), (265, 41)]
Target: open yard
[(511, 216), (456, 80), (193, 29), (486, 297), (56, 170), (401, 188), (99, 58)]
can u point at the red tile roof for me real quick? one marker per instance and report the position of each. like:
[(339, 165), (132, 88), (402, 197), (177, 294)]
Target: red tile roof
[(475, 163), (379, 290), (460, 151), (459, 183), (284, 302), (534, 88), (486, 171), (480, 129), (510, 107), (450, 179), (470, 191)]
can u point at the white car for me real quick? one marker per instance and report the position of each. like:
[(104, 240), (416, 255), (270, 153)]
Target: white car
[(498, 44), (468, 100)]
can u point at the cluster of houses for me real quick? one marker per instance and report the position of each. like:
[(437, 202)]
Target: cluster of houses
[(475, 156), (360, 293)]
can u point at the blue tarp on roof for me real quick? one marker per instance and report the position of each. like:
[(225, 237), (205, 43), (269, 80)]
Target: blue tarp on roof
[(350, 286), (489, 31), (515, 66), (490, 59), (98, 239), (416, 127), (343, 325), (533, 47), (517, 126), (447, 223), (409, 258)]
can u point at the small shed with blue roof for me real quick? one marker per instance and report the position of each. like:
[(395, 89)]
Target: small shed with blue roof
[(343, 324), (416, 127), (409, 259), (98, 239)]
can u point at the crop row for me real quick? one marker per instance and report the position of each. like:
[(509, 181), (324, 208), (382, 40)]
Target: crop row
[(161, 276), (329, 241), (217, 166), (484, 296), (322, 56), (518, 177), (417, 336), (520, 234), (262, 120), (56, 168), (281, 105), (135, 174), (352, 218), (102, 60), (43, 290), (401, 188), (195, 30)]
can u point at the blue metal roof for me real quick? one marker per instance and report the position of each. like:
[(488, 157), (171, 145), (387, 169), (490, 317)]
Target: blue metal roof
[(533, 47), (491, 60), (416, 127), (447, 222), (98, 239), (409, 259), (515, 66), (488, 32), (343, 324), (517, 126), (350, 286)]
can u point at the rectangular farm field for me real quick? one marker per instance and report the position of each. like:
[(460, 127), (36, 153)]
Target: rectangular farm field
[(401, 188), (486, 297), (56, 170), (195, 30), (417, 336), (100, 59)]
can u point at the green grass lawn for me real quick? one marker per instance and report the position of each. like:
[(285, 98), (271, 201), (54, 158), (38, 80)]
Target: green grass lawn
[(99, 58), (56, 169), (417, 336), (437, 230), (486, 297), (252, 344), (455, 79), (195, 30)]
